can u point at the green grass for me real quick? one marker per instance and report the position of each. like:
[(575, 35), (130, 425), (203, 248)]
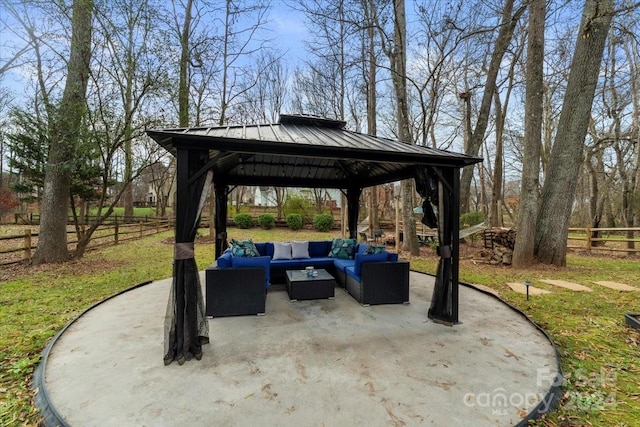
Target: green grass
[(137, 212), (597, 350), (599, 353)]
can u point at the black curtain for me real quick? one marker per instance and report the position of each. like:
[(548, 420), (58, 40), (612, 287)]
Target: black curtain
[(353, 207), (222, 198), (186, 328), (439, 187)]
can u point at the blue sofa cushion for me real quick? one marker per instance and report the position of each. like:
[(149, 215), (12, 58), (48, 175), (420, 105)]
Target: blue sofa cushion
[(351, 272), (320, 262), (265, 249), (244, 248), (364, 258), (258, 261), (319, 249), (224, 261), (343, 248), (341, 264)]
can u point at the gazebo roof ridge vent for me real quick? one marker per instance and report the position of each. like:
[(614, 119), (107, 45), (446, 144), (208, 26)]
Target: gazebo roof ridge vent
[(311, 120)]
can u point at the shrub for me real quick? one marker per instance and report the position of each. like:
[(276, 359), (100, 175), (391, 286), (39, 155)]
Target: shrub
[(243, 220), (294, 221), (7, 201), (266, 221), (471, 218), (323, 222)]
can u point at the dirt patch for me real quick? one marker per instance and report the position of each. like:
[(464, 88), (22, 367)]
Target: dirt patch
[(199, 239), (73, 267)]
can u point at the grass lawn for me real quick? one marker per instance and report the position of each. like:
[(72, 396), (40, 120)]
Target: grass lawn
[(598, 352)]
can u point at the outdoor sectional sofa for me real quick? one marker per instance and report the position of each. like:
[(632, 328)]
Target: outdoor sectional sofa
[(377, 278)]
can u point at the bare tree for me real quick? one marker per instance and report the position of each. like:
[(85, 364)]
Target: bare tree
[(126, 31), (183, 65), (558, 191), (509, 19), (395, 48), (52, 241), (239, 42), (264, 102), (534, 97)]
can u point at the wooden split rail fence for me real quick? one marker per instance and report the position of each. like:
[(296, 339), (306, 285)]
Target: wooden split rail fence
[(19, 248), (605, 239)]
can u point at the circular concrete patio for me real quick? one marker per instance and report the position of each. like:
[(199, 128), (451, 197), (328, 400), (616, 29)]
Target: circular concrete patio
[(306, 363)]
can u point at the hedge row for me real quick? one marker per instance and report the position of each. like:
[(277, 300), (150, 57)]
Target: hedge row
[(321, 222)]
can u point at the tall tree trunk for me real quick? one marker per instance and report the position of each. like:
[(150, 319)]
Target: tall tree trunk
[(128, 131), (495, 206), (534, 98), (372, 110), (507, 26), (54, 208), (631, 214), (183, 83), (398, 60), (552, 226)]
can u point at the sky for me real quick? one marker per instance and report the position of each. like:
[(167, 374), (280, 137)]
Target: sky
[(289, 29), (286, 28)]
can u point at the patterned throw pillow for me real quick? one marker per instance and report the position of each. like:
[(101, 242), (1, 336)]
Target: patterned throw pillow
[(342, 248), (375, 250), (244, 248)]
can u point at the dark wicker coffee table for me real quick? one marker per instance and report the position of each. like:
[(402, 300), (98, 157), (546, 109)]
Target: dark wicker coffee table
[(300, 287)]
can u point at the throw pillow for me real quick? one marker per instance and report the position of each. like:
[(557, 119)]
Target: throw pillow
[(375, 249), (342, 248), (299, 249), (244, 248), (281, 250)]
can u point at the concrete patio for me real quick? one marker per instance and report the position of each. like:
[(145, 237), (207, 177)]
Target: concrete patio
[(306, 363)]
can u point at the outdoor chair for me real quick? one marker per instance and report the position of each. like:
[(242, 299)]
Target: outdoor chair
[(234, 291)]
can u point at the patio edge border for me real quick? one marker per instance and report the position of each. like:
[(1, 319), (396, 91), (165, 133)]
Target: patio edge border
[(552, 399), (50, 415)]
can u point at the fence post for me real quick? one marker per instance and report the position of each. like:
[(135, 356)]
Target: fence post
[(141, 225), (27, 244), (115, 230), (588, 238)]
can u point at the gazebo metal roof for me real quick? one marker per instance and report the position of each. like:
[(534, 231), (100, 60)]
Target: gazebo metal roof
[(305, 151)]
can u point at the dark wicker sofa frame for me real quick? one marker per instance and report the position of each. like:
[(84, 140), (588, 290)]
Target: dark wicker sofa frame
[(234, 291), (381, 283)]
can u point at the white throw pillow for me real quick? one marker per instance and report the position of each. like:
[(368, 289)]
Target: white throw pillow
[(299, 249), (281, 250)]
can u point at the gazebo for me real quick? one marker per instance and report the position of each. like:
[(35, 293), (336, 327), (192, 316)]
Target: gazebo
[(299, 151)]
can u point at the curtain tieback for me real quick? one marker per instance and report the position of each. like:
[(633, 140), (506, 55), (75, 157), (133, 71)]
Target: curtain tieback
[(183, 250), (444, 251)]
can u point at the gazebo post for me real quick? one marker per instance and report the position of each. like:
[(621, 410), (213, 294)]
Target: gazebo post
[(185, 330), (455, 243), (222, 196), (353, 207)]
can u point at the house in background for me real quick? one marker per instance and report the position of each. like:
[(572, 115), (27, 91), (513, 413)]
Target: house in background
[(266, 196)]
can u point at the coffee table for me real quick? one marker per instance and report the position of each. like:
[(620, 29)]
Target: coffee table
[(300, 287)]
